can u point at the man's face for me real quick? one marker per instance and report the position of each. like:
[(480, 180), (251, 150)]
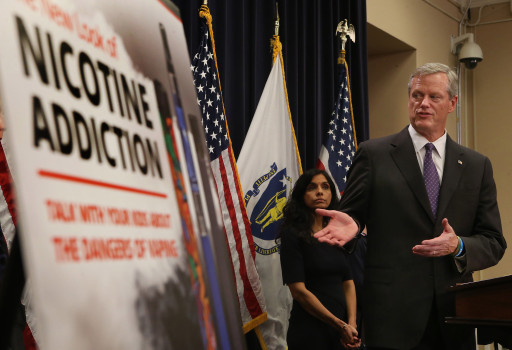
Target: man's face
[(430, 104)]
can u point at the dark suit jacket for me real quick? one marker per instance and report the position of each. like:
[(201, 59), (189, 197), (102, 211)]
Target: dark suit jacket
[(386, 193)]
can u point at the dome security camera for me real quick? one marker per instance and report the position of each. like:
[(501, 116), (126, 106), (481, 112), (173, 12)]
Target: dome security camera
[(467, 50), (470, 54)]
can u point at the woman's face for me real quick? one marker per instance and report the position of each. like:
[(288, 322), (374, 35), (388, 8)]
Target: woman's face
[(318, 193)]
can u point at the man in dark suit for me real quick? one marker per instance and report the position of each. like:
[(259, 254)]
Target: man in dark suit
[(424, 234)]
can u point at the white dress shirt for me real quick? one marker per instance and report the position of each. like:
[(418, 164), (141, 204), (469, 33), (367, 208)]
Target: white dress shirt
[(438, 153)]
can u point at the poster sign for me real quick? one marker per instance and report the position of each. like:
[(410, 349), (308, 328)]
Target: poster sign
[(109, 189)]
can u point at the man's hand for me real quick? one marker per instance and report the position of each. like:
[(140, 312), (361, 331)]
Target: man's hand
[(443, 245), (340, 230)]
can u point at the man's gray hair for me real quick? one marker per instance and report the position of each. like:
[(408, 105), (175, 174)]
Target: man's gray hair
[(432, 68)]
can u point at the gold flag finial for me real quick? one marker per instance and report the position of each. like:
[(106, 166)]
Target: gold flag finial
[(345, 29), (276, 23)]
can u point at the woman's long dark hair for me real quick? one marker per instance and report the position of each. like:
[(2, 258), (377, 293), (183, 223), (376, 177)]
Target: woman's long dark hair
[(298, 219)]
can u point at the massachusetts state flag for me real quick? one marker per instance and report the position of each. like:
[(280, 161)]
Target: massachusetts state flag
[(269, 165), (222, 161), (339, 145)]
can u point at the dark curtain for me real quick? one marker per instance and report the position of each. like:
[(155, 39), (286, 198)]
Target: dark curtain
[(242, 32)]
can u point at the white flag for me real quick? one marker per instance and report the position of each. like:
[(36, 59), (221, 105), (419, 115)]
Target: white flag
[(268, 166)]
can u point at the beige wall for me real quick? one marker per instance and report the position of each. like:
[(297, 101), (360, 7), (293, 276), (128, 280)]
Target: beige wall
[(486, 121), (493, 120)]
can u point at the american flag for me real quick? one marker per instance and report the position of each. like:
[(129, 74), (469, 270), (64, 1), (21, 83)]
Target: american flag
[(7, 204), (7, 210), (8, 230), (236, 223), (339, 146)]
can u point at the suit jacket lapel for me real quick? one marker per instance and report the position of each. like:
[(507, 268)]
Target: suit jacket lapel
[(404, 156), (453, 167)]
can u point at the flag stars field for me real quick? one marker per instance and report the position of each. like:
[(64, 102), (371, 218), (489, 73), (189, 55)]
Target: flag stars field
[(338, 148), (209, 100)]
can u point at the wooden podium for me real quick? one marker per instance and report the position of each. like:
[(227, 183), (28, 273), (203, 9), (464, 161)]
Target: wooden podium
[(486, 305)]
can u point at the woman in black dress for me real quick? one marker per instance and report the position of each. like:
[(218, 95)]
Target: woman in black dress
[(317, 274)]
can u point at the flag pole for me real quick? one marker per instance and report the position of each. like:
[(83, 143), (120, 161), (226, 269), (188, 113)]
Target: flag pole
[(224, 167), (339, 146), (277, 50), (268, 168), (347, 30)]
